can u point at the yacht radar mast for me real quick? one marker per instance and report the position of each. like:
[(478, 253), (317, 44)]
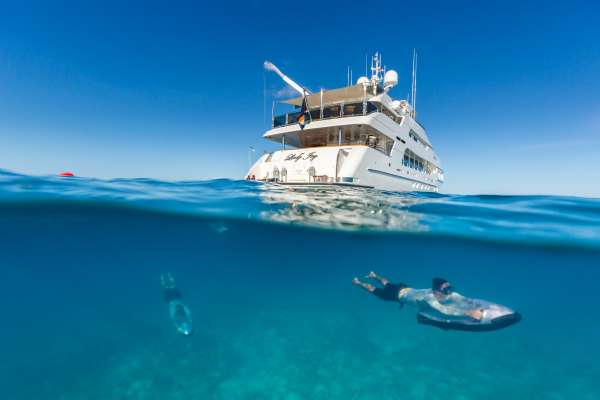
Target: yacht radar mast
[(376, 70)]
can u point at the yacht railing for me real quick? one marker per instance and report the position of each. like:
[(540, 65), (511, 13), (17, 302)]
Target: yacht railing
[(340, 110)]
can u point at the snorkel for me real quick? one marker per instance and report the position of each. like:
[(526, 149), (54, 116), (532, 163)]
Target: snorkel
[(446, 290), (441, 287)]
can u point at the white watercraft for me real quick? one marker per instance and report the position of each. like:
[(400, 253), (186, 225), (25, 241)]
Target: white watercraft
[(356, 135)]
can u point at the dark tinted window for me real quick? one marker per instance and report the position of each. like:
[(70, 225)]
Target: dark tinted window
[(293, 117), (353, 109), (331, 112), (279, 120), (389, 113), (371, 108)]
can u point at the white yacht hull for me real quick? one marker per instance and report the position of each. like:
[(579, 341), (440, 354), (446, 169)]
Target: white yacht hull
[(352, 165)]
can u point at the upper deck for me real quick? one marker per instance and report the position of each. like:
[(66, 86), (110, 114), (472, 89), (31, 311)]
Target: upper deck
[(337, 103), (345, 106)]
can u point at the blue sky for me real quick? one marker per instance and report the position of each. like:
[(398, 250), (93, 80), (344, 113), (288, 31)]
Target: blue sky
[(508, 91)]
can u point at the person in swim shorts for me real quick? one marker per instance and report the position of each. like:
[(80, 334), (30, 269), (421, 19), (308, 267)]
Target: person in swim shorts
[(441, 298)]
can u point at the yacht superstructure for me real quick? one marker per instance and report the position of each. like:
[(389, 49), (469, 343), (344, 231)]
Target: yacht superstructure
[(355, 135)]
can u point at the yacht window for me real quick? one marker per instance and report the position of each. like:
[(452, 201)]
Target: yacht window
[(353, 109), (292, 118), (347, 136), (279, 120), (315, 114), (371, 108), (351, 135), (331, 112), (389, 145), (372, 141), (389, 113), (411, 160), (414, 136)]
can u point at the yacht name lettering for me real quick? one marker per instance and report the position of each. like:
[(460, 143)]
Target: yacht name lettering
[(297, 157)]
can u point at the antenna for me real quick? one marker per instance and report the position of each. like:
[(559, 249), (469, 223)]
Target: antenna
[(415, 98), (414, 83), (376, 70), (348, 77)]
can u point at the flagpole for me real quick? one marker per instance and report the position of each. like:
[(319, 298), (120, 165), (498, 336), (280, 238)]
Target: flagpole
[(307, 106)]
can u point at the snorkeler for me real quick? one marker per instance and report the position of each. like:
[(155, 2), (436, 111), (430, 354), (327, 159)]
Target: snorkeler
[(441, 306), (170, 291), (179, 313)]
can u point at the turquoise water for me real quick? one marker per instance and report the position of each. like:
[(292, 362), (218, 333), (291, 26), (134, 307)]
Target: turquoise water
[(266, 271)]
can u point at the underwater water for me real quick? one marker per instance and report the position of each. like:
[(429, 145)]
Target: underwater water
[(266, 272)]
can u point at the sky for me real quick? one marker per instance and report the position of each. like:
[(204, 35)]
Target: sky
[(509, 91)]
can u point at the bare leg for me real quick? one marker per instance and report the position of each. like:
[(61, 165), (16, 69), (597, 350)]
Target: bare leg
[(367, 286), (373, 275)]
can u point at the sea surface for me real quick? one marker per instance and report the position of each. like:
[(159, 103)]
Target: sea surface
[(266, 271)]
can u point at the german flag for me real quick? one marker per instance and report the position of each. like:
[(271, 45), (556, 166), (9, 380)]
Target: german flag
[(303, 111)]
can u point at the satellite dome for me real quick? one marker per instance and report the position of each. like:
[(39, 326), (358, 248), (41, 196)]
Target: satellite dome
[(390, 79), (362, 80)]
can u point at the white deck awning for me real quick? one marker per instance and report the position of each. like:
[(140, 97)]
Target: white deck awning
[(347, 94)]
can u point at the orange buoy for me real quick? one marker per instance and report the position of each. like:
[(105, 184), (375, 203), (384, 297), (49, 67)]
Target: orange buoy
[(66, 173)]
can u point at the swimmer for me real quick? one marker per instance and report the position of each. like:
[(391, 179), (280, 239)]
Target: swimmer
[(441, 298), (179, 313), (170, 291)]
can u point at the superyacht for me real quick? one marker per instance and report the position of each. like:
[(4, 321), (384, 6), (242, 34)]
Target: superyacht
[(357, 135)]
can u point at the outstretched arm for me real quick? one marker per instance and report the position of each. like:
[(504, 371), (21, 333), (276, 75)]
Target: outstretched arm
[(475, 313), (444, 309)]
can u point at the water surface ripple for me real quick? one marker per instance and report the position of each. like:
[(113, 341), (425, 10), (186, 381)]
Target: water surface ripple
[(553, 220)]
